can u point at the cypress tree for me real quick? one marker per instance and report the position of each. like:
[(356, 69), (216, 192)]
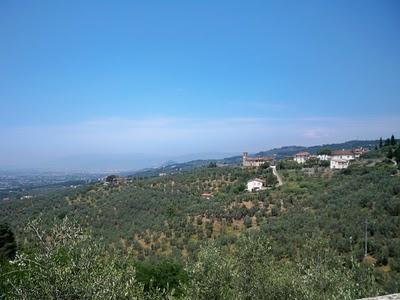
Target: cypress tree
[(8, 246), (380, 143), (392, 140)]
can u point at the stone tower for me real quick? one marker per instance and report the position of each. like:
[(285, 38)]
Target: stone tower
[(245, 155)]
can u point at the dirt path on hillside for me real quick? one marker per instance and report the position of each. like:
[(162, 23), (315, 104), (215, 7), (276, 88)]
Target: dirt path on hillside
[(275, 172)]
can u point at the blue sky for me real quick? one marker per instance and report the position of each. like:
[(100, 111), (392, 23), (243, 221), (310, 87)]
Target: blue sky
[(171, 78)]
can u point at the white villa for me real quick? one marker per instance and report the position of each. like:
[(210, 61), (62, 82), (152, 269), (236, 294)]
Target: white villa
[(338, 163), (255, 184), (341, 158), (301, 157), (255, 161), (343, 154)]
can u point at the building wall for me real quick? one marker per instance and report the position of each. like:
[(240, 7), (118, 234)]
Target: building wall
[(346, 157), (251, 163), (339, 165), (300, 159)]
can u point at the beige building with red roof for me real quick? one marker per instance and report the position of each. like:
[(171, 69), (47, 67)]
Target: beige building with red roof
[(341, 158), (359, 151)]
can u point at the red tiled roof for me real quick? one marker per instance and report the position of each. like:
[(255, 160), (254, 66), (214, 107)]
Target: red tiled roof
[(342, 152), (206, 195), (256, 179), (360, 150), (305, 153)]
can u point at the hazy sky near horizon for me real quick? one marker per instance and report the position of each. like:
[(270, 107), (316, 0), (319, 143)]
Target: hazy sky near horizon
[(168, 78)]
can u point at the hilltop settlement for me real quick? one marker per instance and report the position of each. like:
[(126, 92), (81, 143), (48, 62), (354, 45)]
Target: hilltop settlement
[(339, 159)]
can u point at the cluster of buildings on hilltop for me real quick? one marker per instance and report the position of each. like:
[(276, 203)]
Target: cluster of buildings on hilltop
[(339, 159)]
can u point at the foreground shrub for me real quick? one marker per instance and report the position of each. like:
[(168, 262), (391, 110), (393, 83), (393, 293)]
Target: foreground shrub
[(67, 264), (252, 272)]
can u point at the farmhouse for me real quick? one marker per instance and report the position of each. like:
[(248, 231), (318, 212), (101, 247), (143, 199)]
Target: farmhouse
[(359, 151), (207, 196), (343, 154), (115, 180), (338, 163), (301, 157), (255, 161), (255, 184)]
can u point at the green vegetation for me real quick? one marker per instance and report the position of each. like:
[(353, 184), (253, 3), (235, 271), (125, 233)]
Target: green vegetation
[(66, 263), (324, 151), (157, 237), (390, 149), (161, 274)]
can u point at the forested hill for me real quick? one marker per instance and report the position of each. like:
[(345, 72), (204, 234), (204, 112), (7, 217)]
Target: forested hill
[(174, 167), (304, 239)]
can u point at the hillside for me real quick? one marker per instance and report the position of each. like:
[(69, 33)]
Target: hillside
[(151, 218), (174, 167)]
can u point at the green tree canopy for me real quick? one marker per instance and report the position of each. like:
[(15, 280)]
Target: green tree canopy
[(324, 151)]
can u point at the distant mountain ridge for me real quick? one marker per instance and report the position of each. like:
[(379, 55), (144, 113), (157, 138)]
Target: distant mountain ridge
[(277, 153)]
